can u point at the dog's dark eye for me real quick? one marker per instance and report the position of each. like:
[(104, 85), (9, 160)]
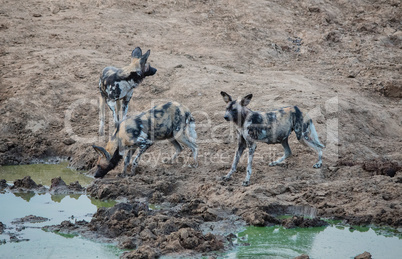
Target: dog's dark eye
[(234, 110)]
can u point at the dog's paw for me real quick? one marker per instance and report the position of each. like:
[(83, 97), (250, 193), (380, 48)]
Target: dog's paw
[(273, 163), (225, 178), (133, 170), (167, 161), (245, 183), (195, 165), (318, 165)]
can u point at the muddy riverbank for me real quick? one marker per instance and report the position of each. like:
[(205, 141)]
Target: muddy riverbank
[(338, 60), (174, 225)]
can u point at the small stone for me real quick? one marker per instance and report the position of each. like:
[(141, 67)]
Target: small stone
[(68, 141), (365, 255)]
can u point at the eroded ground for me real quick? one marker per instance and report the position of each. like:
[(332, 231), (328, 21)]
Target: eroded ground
[(340, 60)]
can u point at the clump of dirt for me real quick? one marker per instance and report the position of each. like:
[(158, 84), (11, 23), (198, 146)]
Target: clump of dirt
[(133, 225), (30, 219), (58, 186), (67, 227), (3, 184), (258, 217), (382, 167), (2, 227), (365, 255), (26, 184), (297, 221)]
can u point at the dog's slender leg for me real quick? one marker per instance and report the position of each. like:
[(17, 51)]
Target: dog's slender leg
[(142, 150), (112, 106), (118, 109), (177, 151), (252, 146), (316, 148), (310, 138), (240, 148), (181, 138), (319, 163), (126, 100), (127, 160), (102, 116), (287, 154)]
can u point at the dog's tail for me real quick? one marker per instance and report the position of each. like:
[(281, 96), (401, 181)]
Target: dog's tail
[(305, 130), (102, 104)]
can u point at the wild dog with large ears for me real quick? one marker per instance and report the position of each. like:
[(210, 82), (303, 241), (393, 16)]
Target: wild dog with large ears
[(117, 85), (172, 121), (269, 127)]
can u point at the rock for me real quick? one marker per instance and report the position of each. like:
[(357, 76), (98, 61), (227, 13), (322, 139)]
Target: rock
[(26, 184), (143, 252), (297, 221), (314, 9), (303, 256), (3, 184), (333, 168), (2, 227), (365, 255), (58, 186), (30, 219), (68, 141), (76, 187), (393, 89), (57, 183), (260, 218), (127, 243), (147, 235)]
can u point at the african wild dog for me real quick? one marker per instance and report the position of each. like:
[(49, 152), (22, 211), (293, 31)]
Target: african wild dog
[(117, 85), (270, 127), (171, 121)]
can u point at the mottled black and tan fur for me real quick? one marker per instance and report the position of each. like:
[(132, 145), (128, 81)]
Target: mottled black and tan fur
[(117, 85), (272, 127), (171, 121)]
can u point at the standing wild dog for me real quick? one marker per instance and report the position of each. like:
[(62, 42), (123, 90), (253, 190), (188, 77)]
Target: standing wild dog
[(117, 85), (171, 121), (269, 127)]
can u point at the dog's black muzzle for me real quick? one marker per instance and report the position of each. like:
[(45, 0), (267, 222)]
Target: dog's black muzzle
[(151, 71)]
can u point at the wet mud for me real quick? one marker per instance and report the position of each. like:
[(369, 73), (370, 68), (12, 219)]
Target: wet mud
[(339, 60)]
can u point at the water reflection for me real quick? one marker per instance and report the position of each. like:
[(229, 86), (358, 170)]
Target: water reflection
[(44, 173), (56, 208), (334, 241), (25, 196)]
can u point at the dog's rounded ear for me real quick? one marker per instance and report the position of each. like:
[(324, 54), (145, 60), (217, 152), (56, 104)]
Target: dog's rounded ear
[(246, 100), (137, 53), (227, 98), (144, 58), (101, 151)]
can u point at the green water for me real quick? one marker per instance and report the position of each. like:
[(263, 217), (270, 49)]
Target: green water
[(43, 173), (56, 208), (334, 241)]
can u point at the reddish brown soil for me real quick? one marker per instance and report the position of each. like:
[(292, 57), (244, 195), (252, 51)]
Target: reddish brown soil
[(341, 60)]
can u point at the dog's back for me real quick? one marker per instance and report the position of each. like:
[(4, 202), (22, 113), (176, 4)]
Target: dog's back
[(273, 126), (163, 121)]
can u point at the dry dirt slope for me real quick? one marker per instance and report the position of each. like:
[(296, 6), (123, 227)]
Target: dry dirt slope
[(339, 59)]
